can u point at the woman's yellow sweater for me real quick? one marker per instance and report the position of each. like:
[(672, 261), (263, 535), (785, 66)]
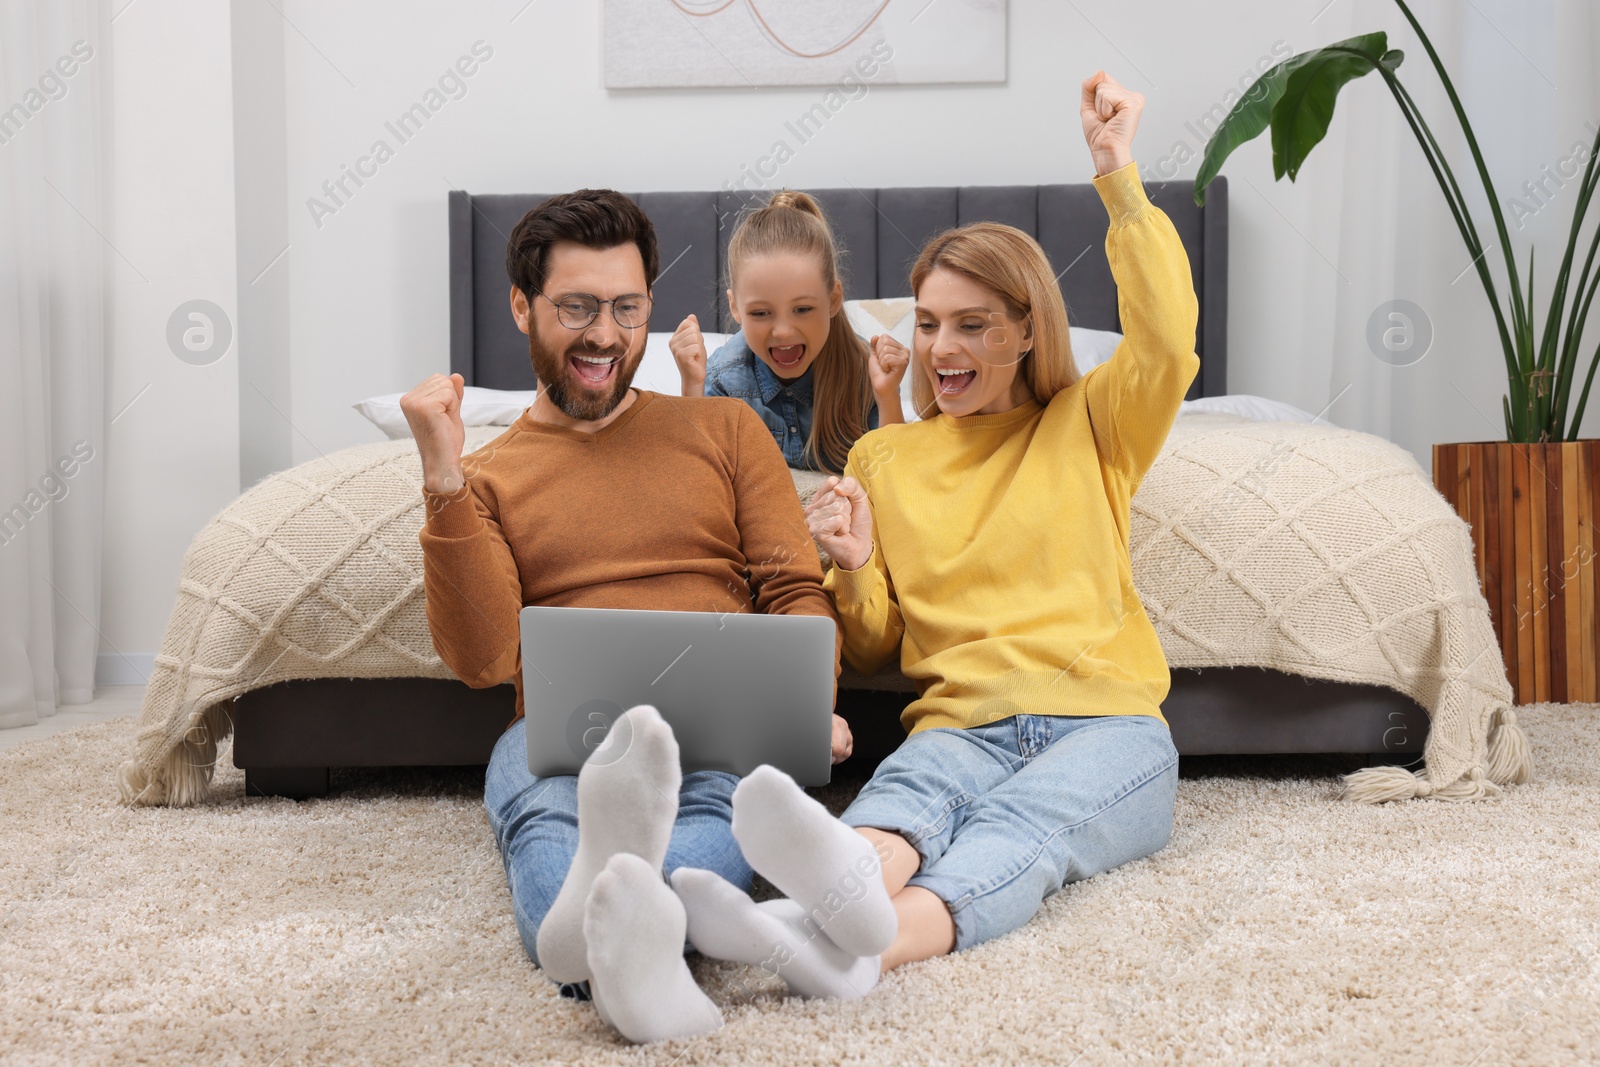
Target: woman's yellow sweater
[(1000, 561)]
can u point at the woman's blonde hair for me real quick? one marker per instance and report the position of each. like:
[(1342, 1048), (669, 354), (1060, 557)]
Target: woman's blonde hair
[(1010, 263), (841, 391)]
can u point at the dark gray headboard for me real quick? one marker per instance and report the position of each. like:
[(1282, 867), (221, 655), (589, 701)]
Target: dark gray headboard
[(880, 230)]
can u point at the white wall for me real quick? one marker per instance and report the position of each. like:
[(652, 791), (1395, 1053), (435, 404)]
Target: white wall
[(368, 287), (1310, 260)]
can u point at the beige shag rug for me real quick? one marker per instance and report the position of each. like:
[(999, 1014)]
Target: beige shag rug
[(1280, 926)]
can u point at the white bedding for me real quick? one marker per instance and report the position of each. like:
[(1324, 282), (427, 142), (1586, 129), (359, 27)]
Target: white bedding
[(1303, 548), (659, 373)]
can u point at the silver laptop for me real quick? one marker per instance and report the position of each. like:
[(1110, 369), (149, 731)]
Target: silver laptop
[(738, 689)]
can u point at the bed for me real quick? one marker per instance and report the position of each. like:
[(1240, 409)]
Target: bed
[(1288, 630)]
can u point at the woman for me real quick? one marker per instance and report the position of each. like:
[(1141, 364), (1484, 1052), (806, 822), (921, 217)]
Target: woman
[(990, 544)]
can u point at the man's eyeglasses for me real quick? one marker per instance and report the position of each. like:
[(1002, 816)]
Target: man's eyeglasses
[(578, 310)]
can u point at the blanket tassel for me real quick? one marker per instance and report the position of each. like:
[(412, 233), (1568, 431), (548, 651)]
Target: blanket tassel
[(1509, 762), (183, 776), (1380, 785), (1510, 756)]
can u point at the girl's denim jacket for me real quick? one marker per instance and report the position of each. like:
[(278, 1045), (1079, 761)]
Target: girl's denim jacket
[(733, 370)]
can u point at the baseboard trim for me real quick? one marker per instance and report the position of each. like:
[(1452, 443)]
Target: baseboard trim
[(132, 668)]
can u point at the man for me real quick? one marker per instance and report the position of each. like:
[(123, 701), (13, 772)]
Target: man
[(601, 495)]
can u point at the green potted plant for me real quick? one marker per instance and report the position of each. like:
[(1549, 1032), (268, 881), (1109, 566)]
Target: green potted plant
[(1532, 500)]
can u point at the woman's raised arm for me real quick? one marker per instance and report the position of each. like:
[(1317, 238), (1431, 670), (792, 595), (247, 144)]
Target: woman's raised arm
[(1134, 398)]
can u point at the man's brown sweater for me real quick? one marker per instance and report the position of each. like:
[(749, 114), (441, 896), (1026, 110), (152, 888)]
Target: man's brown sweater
[(679, 504)]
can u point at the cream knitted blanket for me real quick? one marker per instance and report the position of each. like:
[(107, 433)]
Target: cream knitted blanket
[(1304, 548)]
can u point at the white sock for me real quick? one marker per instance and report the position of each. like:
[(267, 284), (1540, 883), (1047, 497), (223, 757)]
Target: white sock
[(627, 802), (634, 926), (831, 871), (775, 935)]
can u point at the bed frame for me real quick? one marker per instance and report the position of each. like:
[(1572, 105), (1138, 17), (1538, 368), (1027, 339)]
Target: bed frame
[(289, 735)]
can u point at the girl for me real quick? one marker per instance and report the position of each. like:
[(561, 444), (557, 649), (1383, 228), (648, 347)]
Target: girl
[(989, 546), (795, 360)]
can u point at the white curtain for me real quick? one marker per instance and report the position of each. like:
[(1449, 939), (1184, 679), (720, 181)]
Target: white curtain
[(53, 263), (1527, 74)]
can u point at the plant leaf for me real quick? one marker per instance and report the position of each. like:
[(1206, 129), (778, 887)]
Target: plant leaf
[(1253, 111), (1244, 122), (1300, 117), (1392, 59)]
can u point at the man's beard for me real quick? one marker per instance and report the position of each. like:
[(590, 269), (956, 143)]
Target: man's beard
[(575, 400)]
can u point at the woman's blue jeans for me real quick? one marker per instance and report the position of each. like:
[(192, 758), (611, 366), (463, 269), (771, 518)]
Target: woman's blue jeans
[(1002, 815), (1005, 814), (535, 823)]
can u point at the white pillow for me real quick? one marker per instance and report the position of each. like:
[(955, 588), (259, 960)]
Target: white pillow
[(658, 371), (896, 317), (479, 407), (500, 407), (1090, 348), (868, 318), (1245, 406)]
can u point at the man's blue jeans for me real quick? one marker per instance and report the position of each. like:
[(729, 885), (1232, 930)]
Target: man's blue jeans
[(535, 823), (1005, 814)]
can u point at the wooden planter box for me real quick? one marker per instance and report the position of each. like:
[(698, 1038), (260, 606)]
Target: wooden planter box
[(1533, 510)]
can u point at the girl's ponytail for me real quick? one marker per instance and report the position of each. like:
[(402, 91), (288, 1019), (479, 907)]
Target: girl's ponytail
[(796, 199)]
